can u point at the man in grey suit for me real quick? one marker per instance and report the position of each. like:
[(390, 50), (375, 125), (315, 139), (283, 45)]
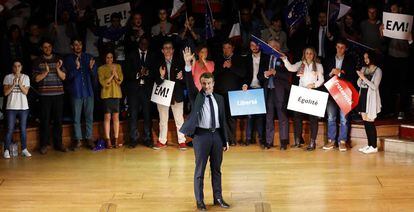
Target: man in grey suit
[(207, 126)]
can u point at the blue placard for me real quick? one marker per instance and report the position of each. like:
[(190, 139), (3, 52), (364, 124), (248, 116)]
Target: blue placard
[(247, 102)]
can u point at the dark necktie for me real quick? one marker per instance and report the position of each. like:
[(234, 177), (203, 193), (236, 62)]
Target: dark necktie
[(323, 42), (143, 58), (213, 114), (272, 64)]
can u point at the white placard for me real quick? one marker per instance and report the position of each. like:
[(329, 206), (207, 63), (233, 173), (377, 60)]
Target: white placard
[(162, 94), (397, 26), (307, 101), (104, 14)]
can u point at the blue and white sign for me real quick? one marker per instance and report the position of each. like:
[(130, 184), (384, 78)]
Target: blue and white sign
[(247, 102)]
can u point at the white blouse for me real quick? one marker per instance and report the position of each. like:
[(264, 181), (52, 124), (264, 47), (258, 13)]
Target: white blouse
[(309, 76)]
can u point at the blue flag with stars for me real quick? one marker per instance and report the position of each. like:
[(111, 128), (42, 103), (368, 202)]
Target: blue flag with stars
[(296, 12), (265, 48), (209, 21)]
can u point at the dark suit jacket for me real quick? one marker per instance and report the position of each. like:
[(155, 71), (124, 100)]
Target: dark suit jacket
[(176, 66), (229, 79), (134, 64), (348, 66), (263, 66), (329, 45), (190, 125), (281, 80)]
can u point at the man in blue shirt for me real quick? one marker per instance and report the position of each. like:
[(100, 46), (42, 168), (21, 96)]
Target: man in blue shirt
[(81, 73)]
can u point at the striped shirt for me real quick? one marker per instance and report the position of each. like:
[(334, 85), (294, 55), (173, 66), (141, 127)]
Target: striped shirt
[(51, 85)]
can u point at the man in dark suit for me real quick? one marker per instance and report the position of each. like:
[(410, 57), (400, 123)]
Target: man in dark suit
[(256, 62), (322, 37), (343, 66), (171, 68), (207, 125), (139, 76), (229, 73), (275, 81)]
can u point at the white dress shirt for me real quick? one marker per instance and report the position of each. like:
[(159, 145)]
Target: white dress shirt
[(309, 76), (204, 118)]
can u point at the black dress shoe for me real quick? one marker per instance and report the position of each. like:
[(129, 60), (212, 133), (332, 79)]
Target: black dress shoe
[(91, 143), (132, 144), (201, 206), (267, 146), (221, 203)]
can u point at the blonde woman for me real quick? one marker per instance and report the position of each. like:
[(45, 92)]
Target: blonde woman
[(369, 99), (310, 72), (110, 78)]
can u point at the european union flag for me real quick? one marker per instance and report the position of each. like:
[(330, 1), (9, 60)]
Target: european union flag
[(209, 21), (295, 12), (265, 48)]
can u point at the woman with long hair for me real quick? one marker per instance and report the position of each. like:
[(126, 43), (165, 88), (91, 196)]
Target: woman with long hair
[(310, 72), (110, 77), (369, 99), (16, 86)]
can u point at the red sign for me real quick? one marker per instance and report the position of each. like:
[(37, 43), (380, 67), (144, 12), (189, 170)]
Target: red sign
[(344, 93), (199, 6)]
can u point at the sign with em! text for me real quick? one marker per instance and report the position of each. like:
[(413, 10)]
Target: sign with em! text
[(308, 101), (397, 26), (162, 94), (104, 14), (247, 102)]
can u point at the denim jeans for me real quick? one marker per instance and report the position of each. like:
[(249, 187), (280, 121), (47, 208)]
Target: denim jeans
[(85, 104), (12, 115), (333, 111)]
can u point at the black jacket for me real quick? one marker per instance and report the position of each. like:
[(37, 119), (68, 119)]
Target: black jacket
[(177, 65), (190, 125), (281, 80), (134, 65), (229, 79), (348, 67)]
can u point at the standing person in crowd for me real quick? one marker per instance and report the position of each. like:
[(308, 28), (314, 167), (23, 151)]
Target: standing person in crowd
[(256, 63), (139, 76), (370, 30), (229, 74), (16, 86), (49, 75), (398, 60), (62, 33), (112, 38), (110, 77), (348, 29), (196, 67), (310, 72), (369, 99), (80, 75), (190, 35), (275, 81), (163, 27), (207, 126), (342, 66), (274, 31), (322, 36), (135, 31), (171, 68)]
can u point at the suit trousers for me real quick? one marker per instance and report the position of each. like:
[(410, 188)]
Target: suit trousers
[(177, 110), (207, 145), (271, 105)]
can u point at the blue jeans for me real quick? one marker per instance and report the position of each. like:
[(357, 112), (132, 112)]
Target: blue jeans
[(86, 104), (333, 110), (12, 115)]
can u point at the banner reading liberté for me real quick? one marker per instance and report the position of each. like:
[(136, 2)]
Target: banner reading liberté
[(247, 102), (162, 94), (104, 14), (307, 101), (397, 26)]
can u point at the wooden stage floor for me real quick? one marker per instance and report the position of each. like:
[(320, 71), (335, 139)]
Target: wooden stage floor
[(142, 179)]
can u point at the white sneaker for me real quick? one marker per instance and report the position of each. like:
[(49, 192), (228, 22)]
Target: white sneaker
[(26, 153), (362, 149), (6, 154), (371, 150)]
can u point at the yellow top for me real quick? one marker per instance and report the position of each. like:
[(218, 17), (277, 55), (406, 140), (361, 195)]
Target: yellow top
[(111, 85)]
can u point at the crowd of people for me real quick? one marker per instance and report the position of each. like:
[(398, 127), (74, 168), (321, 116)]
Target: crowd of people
[(72, 69)]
